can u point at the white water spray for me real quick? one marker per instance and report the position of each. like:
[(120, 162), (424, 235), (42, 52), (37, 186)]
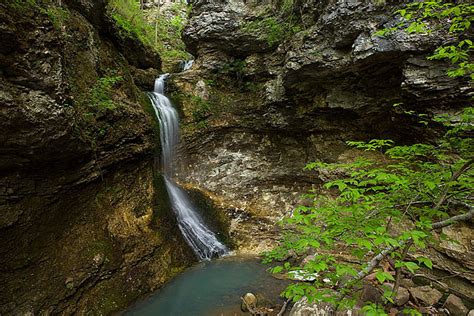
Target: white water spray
[(201, 239), (188, 64)]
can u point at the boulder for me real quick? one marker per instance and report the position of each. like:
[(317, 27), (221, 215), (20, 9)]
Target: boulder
[(408, 283), (455, 306), (426, 294), (304, 308), (308, 259), (369, 293), (402, 296), (249, 300)]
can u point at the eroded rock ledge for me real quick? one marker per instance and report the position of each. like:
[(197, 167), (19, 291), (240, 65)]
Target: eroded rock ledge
[(255, 114)]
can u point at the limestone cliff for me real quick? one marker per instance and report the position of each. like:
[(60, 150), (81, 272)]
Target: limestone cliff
[(84, 223), (257, 108), (84, 227)]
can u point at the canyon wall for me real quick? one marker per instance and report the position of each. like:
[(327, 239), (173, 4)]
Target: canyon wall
[(261, 101), (85, 226)]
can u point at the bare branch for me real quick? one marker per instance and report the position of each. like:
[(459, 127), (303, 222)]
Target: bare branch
[(399, 269), (283, 308), (454, 177), (458, 218)]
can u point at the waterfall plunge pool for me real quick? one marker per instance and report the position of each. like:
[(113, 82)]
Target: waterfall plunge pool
[(213, 288)]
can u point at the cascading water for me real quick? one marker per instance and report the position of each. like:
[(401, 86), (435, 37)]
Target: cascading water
[(201, 239), (188, 64)]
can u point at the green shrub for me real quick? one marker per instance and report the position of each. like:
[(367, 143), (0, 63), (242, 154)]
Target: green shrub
[(21, 5), (379, 208), (128, 16), (234, 69), (276, 23), (167, 33), (102, 92), (162, 34), (202, 109), (57, 15), (272, 30), (455, 18)]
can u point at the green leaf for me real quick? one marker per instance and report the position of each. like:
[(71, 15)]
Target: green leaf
[(277, 269), (427, 262), (383, 276), (411, 266)]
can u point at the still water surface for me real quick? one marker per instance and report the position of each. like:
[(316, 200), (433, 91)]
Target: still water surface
[(213, 288)]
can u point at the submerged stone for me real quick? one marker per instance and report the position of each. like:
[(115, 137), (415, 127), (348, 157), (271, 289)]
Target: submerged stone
[(249, 300)]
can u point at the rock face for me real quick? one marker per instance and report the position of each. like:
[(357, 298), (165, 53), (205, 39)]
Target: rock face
[(83, 225), (217, 25), (455, 305), (304, 308), (402, 296), (426, 295), (269, 110)]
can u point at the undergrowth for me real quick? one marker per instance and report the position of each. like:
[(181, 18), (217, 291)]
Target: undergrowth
[(277, 23), (168, 24), (101, 93), (57, 15), (128, 16)]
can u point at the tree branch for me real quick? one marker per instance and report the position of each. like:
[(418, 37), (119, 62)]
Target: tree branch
[(372, 264), (283, 308), (399, 269), (458, 218), (454, 177)]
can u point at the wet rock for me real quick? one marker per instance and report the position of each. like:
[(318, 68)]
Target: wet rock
[(308, 259), (301, 275), (455, 306), (304, 308), (426, 294), (249, 301)]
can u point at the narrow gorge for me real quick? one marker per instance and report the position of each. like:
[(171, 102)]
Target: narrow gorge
[(142, 140)]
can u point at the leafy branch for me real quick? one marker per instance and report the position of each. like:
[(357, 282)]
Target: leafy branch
[(372, 264), (362, 209), (454, 18)]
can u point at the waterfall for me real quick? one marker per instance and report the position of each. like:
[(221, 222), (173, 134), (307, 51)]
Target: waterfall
[(201, 239), (188, 64)]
